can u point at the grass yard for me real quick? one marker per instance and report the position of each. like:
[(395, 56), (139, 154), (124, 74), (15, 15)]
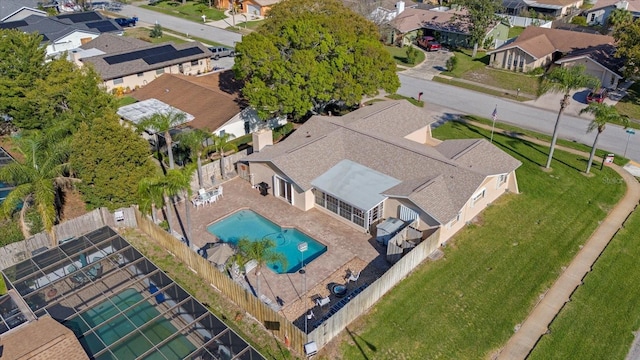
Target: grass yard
[(143, 34), (400, 56), (126, 100), (465, 306), (467, 63), (599, 321), (416, 102), (192, 10), (630, 104), (515, 31)]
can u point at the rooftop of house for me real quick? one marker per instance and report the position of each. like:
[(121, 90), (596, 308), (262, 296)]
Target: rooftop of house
[(552, 4), (141, 59), (221, 91), (53, 28), (110, 44), (414, 18), (9, 7), (631, 5), (602, 54), (44, 338), (539, 42), (440, 179)]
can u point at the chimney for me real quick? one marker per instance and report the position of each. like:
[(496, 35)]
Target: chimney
[(261, 139), (399, 7)]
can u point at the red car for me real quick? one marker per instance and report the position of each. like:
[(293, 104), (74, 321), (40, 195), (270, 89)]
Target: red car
[(597, 96), (429, 43)]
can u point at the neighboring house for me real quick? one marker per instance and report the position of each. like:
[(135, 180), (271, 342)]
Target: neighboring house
[(20, 13), (599, 13), (537, 47), (214, 101), (258, 7), (600, 62), (65, 32), (554, 8), (135, 64), (448, 26), (513, 7), (375, 163)]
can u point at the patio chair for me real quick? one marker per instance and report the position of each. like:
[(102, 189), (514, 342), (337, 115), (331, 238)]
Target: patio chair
[(219, 191), (354, 277), (202, 191), (323, 301)]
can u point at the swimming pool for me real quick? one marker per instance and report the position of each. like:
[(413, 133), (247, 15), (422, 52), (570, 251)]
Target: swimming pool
[(121, 326), (4, 191), (249, 224)]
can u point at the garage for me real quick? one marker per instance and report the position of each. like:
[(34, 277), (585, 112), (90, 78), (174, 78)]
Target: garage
[(253, 9)]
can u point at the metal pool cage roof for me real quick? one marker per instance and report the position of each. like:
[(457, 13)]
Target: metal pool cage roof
[(118, 303)]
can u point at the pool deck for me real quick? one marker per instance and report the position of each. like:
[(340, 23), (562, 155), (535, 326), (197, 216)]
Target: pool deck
[(347, 247)]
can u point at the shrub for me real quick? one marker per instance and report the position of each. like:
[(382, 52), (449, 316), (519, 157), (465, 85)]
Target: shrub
[(536, 72), (10, 232), (579, 20), (156, 32), (451, 63), (282, 131), (412, 54)]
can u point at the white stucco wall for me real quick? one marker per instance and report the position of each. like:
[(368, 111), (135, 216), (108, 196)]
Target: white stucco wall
[(69, 42)]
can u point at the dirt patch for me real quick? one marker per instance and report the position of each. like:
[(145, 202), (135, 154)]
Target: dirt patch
[(73, 206)]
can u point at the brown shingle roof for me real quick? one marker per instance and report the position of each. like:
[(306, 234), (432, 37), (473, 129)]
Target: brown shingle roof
[(413, 19), (539, 42), (43, 339), (135, 66), (436, 182), (212, 99), (632, 5)]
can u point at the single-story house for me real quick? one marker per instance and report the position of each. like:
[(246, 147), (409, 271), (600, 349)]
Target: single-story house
[(67, 31), (214, 101), (600, 62), (599, 13), (448, 26), (139, 63), (536, 47), (257, 7), (376, 163), (553, 8), (14, 10)]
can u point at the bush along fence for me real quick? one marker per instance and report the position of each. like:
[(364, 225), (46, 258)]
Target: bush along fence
[(271, 320)]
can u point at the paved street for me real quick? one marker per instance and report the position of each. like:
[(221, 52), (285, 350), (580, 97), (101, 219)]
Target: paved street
[(538, 115), (524, 115), (184, 26)]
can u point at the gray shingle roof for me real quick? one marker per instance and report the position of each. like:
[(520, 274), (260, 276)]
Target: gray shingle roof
[(110, 44), (52, 28), (440, 180), (8, 7), (138, 65)]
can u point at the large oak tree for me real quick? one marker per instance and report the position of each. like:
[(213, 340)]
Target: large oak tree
[(309, 54)]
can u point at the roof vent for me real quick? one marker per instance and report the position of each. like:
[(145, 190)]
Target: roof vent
[(308, 135)]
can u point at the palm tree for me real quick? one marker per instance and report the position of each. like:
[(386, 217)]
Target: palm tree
[(196, 142), (603, 114), (222, 143), (180, 181), (619, 17), (164, 122), (260, 251), (564, 80), (38, 180), (149, 196)]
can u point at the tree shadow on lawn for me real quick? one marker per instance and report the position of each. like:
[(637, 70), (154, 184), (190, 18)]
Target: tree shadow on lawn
[(511, 141), (357, 339)]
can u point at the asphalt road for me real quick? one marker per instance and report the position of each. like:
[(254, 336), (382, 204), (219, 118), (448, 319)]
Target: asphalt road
[(203, 31), (460, 100), (464, 101)]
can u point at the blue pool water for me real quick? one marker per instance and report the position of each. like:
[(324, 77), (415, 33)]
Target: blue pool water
[(139, 316), (246, 223), (4, 191)]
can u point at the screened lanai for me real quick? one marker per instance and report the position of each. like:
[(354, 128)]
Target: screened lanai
[(353, 191), (119, 304)]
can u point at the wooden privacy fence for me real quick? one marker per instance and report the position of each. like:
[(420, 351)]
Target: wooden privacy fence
[(369, 296), (273, 321)]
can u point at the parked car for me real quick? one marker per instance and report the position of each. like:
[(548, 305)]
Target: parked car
[(124, 22), (429, 43), (219, 51), (597, 95)]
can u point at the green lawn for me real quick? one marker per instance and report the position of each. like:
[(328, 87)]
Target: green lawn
[(465, 306), (400, 56), (630, 104), (143, 34), (515, 31), (126, 100), (599, 321), (193, 10), (416, 102), (475, 69)]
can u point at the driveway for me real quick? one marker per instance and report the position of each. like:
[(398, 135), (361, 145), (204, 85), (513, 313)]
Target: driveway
[(434, 64)]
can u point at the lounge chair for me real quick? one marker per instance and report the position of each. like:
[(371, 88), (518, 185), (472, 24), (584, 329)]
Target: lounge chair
[(354, 277), (323, 301)]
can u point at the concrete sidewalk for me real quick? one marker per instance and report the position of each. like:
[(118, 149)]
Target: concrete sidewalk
[(537, 323)]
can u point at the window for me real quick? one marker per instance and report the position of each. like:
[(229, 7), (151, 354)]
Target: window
[(509, 59), (194, 62), (319, 197), (118, 81), (593, 17), (140, 74), (477, 197), (159, 71), (332, 204), (501, 180)]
